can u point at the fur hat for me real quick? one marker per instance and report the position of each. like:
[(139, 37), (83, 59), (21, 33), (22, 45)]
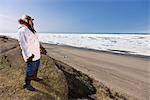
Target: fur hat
[(26, 17)]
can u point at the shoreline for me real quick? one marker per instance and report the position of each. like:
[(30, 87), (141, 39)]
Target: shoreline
[(127, 45), (101, 51)]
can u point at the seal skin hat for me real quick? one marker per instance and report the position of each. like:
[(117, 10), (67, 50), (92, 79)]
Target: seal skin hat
[(26, 17)]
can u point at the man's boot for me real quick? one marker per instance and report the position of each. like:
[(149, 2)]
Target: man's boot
[(27, 85)]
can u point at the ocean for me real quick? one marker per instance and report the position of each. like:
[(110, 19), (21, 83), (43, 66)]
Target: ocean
[(124, 43)]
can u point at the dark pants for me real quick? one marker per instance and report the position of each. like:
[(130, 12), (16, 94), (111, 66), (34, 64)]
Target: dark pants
[(31, 69)]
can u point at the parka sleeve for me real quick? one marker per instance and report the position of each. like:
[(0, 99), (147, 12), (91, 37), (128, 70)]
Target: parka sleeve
[(24, 43)]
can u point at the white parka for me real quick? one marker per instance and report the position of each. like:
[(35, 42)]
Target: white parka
[(29, 43)]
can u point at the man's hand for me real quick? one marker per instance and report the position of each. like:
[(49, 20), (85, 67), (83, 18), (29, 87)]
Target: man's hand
[(30, 58)]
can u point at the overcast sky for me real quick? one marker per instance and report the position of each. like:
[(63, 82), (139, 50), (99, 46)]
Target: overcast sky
[(77, 15)]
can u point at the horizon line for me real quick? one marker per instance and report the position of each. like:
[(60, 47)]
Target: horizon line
[(92, 32)]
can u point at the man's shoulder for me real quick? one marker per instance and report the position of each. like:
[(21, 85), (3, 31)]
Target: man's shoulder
[(22, 28)]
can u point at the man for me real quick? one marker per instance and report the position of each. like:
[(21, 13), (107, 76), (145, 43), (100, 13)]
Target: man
[(30, 46)]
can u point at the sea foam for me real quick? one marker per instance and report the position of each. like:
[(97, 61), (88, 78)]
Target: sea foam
[(137, 44)]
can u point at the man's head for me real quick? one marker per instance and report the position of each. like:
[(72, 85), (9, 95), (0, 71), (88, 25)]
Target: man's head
[(27, 19)]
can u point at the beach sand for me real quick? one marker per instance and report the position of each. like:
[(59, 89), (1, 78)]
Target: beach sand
[(124, 73)]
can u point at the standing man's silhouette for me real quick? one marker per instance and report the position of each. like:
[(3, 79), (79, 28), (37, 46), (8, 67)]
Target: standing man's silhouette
[(30, 46)]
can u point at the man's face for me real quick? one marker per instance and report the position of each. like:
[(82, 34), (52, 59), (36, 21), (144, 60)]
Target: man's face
[(31, 22)]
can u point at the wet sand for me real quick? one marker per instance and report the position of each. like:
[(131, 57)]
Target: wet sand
[(124, 73)]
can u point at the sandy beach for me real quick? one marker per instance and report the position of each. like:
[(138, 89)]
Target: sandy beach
[(125, 73)]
